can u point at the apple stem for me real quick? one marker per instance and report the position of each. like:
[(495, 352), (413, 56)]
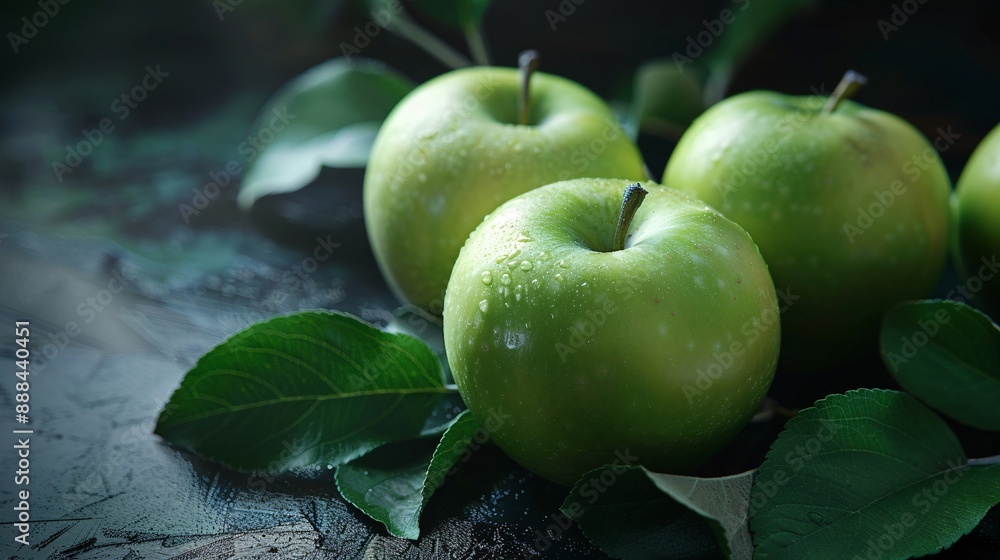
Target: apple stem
[(631, 201), (527, 62), (848, 86)]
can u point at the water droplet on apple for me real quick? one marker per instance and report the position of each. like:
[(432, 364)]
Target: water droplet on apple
[(526, 265), (563, 263), (505, 279), (484, 306), (487, 277), (560, 278)]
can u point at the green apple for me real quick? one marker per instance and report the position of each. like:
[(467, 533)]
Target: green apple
[(977, 201), (456, 148), (583, 346), (849, 206)]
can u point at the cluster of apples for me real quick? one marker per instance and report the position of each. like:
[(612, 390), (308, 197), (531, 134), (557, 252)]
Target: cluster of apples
[(602, 315)]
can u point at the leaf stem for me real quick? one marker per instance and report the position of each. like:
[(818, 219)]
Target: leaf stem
[(451, 387), (527, 62), (848, 86), (631, 200), (426, 40), (994, 460), (477, 44)]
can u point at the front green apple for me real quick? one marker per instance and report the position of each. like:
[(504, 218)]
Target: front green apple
[(978, 228), (453, 150), (575, 355), (849, 208)]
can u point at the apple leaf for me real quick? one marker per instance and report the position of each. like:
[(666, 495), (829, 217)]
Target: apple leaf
[(869, 473), (313, 388), (723, 502), (393, 483), (326, 116), (622, 512), (947, 354), (666, 98)]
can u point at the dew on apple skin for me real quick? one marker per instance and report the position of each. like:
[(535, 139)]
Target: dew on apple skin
[(560, 278), (563, 264), (486, 277), (484, 306), (526, 265), (505, 279)]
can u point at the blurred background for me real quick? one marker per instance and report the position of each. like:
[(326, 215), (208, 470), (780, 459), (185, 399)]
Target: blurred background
[(153, 269)]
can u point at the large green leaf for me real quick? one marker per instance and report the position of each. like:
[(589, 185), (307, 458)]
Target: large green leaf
[(326, 116), (393, 483), (623, 513), (870, 473), (313, 388), (948, 355)]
